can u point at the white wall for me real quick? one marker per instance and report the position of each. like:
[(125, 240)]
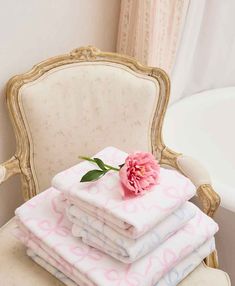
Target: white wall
[(31, 31)]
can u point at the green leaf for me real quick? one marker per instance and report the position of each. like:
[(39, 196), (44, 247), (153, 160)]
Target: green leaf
[(92, 175), (100, 163)]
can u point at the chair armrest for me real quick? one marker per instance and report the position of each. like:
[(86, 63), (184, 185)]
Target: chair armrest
[(194, 170), (9, 169), (199, 176)]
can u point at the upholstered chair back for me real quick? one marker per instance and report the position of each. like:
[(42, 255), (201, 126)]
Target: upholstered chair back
[(79, 103)]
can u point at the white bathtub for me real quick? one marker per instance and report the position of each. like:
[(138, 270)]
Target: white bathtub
[(203, 126)]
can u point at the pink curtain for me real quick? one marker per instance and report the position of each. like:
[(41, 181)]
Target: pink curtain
[(150, 30)]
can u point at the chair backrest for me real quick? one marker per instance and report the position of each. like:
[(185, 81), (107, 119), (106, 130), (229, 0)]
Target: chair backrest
[(79, 103)]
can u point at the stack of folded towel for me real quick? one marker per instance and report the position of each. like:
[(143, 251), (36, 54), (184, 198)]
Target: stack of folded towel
[(86, 234)]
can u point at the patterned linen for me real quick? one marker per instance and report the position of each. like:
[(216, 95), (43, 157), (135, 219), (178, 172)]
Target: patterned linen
[(103, 237), (102, 199), (172, 278), (45, 229)]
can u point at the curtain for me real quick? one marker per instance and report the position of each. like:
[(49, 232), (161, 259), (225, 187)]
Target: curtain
[(206, 54), (192, 40), (150, 30)]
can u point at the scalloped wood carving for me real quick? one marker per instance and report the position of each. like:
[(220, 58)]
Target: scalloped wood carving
[(85, 53)]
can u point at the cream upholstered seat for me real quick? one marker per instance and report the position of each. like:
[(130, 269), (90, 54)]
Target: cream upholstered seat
[(78, 104)]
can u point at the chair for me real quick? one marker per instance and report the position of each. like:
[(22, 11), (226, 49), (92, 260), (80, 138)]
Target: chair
[(77, 104)]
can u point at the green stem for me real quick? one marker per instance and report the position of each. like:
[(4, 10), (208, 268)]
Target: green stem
[(91, 160)]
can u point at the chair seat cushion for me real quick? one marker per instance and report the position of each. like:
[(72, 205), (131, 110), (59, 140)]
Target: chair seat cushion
[(17, 269)]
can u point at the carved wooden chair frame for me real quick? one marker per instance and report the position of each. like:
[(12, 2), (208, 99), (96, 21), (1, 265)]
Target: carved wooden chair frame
[(20, 162)]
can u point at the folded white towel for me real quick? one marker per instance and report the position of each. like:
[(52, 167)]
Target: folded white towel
[(51, 267), (105, 238), (102, 199), (172, 278), (45, 229)]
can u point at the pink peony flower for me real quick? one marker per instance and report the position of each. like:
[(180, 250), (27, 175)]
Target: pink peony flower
[(139, 174)]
